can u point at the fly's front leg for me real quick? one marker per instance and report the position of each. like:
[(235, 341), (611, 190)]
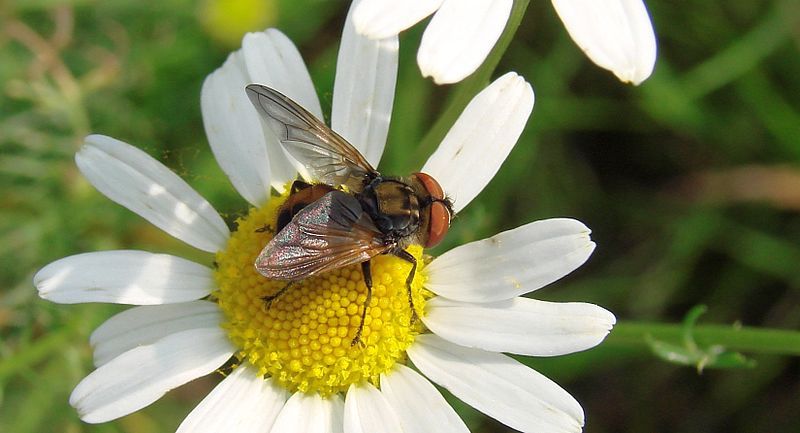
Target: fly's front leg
[(403, 254), (367, 271)]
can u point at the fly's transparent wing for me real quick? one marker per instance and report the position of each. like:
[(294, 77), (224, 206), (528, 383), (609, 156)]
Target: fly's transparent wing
[(328, 156), (330, 233)]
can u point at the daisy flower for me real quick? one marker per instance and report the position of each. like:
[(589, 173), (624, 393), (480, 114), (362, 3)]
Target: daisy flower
[(615, 34), (294, 367)]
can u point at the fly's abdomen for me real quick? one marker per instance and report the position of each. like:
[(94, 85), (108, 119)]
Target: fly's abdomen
[(302, 195)]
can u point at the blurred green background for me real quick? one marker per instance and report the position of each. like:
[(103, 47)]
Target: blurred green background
[(690, 182)]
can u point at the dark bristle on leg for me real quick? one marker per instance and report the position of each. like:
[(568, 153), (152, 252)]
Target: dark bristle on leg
[(367, 271), (409, 258), (269, 299)]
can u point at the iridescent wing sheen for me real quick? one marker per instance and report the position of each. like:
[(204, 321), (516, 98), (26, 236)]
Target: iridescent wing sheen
[(330, 233), (328, 156)]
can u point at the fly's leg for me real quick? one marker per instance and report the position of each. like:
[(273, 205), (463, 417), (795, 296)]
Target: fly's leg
[(367, 271), (269, 299), (264, 229), (299, 185), (403, 254)]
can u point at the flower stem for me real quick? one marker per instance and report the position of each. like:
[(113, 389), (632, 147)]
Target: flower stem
[(739, 338), (470, 86)]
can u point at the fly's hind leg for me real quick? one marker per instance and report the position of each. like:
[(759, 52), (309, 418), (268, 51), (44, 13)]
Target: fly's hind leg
[(266, 228), (403, 254), (269, 299), (367, 271), (299, 185)]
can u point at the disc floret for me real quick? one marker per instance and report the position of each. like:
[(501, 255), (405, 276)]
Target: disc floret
[(303, 339)]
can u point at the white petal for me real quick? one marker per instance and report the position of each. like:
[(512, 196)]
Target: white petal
[(123, 277), (367, 411), (498, 386), (363, 94), (378, 19), (520, 325), (234, 131), (272, 60), (615, 34), (144, 325), (420, 407), (481, 139), (135, 180), (511, 263), (246, 149), (142, 375), (460, 36), (242, 403), (310, 413)]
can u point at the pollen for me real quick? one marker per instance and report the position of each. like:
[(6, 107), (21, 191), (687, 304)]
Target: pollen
[(304, 338)]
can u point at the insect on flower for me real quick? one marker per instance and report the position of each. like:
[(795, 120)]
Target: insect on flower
[(351, 213)]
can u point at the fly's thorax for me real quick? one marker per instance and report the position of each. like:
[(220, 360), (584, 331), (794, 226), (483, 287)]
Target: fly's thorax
[(394, 207)]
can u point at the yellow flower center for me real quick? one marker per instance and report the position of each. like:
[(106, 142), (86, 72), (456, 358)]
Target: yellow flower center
[(303, 339)]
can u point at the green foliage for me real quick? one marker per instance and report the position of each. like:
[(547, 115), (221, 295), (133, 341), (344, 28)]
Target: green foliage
[(690, 183), (691, 354)]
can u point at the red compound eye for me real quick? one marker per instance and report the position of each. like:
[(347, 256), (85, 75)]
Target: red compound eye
[(433, 187), (440, 214), (440, 222)]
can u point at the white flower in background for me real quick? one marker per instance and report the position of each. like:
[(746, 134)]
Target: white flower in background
[(295, 369), (615, 34)]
